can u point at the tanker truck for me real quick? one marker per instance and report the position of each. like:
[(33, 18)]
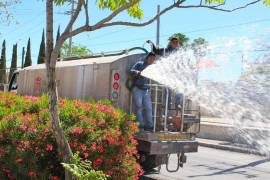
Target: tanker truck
[(104, 76)]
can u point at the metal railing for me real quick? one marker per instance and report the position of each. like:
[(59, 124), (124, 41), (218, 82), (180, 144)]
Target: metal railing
[(164, 115), (105, 54), (161, 105)]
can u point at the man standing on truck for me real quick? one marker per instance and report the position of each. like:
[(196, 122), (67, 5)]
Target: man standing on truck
[(173, 46), (141, 92)]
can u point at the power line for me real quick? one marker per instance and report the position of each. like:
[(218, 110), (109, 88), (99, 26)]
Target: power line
[(107, 34), (23, 25), (193, 31)]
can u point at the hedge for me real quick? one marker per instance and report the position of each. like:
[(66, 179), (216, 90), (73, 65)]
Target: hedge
[(99, 132)]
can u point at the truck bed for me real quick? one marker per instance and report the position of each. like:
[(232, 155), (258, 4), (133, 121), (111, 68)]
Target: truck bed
[(166, 143)]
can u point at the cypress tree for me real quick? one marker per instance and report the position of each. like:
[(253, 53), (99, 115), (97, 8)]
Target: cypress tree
[(13, 66), (28, 60), (3, 75), (41, 54), (57, 38), (23, 53)]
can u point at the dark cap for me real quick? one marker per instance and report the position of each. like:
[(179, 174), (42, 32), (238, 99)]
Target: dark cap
[(174, 38)]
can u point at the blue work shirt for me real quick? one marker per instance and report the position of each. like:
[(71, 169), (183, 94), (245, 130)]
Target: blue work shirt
[(140, 81)]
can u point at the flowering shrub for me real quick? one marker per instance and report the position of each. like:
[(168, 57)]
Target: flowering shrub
[(100, 133)]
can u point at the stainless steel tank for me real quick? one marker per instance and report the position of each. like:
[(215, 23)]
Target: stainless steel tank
[(83, 79)]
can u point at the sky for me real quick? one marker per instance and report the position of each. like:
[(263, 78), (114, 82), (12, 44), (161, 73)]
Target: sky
[(242, 30)]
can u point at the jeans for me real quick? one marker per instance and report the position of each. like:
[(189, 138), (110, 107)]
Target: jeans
[(142, 99), (179, 100)]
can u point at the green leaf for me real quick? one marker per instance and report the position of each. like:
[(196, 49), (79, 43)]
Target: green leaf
[(60, 2), (76, 50), (82, 169), (266, 2), (214, 1), (135, 11)]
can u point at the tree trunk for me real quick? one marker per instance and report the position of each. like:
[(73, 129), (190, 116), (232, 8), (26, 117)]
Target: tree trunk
[(51, 57)]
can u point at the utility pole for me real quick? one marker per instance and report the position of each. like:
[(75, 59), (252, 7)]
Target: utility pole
[(70, 39), (158, 26), (23, 52)]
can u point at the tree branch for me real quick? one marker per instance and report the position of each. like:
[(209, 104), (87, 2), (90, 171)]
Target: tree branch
[(123, 23), (219, 9), (116, 12), (67, 35), (105, 22), (74, 16), (85, 5)]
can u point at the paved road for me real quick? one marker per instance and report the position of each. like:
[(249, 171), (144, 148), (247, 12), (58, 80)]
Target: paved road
[(213, 164)]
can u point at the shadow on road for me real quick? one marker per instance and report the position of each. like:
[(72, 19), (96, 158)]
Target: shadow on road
[(233, 169)]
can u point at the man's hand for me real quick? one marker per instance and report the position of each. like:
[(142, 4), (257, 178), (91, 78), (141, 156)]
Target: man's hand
[(138, 73), (149, 42)]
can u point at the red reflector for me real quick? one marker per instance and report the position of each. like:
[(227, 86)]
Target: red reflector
[(116, 76), (115, 86)]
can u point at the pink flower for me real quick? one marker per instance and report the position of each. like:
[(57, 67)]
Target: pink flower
[(84, 117), (86, 155), (25, 144), (110, 161), (102, 122), (37, 150), (93, 147), (73, 144), (11, 177), (97, 162), (5, 131), (118, 158), (77, 131), (32, 174), (32, 130), (6, 170), (49, 147), (110, 139), (2, 152), (26, 119), (100, 149), (55, 178), (23, 127), (83, 147), (102, 107), (18, 160)]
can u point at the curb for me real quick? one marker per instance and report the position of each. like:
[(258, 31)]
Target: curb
[(231, 148)]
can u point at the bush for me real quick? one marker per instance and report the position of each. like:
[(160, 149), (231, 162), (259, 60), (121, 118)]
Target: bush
[(100, 133)]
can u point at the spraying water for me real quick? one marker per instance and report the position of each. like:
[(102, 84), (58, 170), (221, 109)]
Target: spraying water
[(244, 103)]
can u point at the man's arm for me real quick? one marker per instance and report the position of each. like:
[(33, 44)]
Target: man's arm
[(135, 70), (157, 51)]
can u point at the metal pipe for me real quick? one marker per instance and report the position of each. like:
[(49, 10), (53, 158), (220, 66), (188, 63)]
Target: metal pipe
[(155, 110), (158, 25), (166, 109), (113, 53), (70, 39), (23, 53), (183, 114), (131, 103)]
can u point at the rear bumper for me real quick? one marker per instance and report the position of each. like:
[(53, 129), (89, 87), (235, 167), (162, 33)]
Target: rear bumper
[(167, 147)]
